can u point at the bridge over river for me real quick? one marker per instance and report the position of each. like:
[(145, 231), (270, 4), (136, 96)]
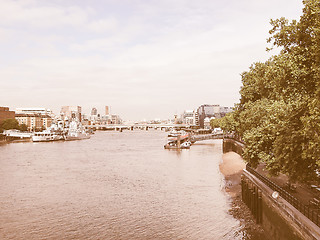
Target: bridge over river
[(193, 136), (120, 127), (201, 137)]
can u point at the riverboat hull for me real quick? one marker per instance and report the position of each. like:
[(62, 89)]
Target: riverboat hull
[(46, 137), (78, 136), (175, 147), (17, 136)]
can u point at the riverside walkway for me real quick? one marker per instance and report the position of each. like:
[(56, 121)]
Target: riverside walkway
[(304, 197), (201, 137)]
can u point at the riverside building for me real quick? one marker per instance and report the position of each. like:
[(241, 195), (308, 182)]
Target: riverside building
[(189, 117), (5, 113), (207, 112), (41, 111), (34, 122), (35, 118)]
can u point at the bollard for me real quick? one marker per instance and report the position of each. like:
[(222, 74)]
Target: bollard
[(251, 201), (254, 210), (259, 208), (242, 189), (252, 197)]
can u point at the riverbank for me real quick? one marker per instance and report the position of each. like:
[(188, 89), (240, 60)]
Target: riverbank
[(2, 139), (231, 167)]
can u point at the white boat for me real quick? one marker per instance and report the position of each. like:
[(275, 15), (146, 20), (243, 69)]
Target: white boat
[(175, 133), (54, 133), (186, 144), (180, 142), (16, 135), (76, 136), (46, 136), (76, 132)]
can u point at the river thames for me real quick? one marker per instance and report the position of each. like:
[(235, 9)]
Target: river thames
[(114, 186)]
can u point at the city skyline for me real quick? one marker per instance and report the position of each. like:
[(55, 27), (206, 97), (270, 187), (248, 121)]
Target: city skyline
[(146, 59)]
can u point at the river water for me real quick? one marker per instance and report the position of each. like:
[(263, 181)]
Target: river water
[(114, 186)]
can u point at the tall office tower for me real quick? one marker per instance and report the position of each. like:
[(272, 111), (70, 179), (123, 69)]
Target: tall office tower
[(107, 110), (94, 111), (71, 112)]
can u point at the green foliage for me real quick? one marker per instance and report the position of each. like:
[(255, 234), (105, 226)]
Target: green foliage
[(228, 123), (23, 127), (12, 124), (279, 112), (9, 124)]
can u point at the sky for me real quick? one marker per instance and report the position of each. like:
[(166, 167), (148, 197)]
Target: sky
[(147, 59)]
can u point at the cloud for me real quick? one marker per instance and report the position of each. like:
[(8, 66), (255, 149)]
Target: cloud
[(31, 14), (157, 56), (103, 25)]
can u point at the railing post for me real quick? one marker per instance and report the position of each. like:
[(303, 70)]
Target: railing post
[(254, 202)]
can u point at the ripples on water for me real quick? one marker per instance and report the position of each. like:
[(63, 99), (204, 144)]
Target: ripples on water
[(114, 186)]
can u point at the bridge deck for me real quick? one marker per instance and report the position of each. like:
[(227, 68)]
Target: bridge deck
[(206, 137)]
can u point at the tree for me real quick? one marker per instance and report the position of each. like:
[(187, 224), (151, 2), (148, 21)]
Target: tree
[(23, 127), (278, 116), (9, 124), (227, 123)]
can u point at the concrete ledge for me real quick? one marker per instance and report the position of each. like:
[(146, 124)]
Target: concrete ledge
[(303, 227)]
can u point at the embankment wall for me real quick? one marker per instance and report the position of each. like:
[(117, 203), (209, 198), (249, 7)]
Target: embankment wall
[(230, 145), (279, 219)]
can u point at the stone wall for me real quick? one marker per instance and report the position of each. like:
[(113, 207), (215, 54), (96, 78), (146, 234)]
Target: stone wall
[(230, 145), (279, 218)]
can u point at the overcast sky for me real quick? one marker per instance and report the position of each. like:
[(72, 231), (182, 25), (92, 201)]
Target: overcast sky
[(145, 58)]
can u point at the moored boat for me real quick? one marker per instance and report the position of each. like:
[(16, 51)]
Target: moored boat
[(173, 145), (53, 133), (179, 142), (46, 136), (76, 132), (16, 135), (175, 133), (70, 136)]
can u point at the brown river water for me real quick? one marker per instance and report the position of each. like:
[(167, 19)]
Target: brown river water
[(114, 186)]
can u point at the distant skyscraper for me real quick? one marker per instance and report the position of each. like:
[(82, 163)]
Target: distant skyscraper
[(107, 110), (71, 112), (94, 111)]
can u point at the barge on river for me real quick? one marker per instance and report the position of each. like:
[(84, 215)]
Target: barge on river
[(178, 142)]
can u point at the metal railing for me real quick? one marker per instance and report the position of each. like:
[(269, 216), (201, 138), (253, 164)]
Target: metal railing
[(307, 210), (233, 137), (200, 137)]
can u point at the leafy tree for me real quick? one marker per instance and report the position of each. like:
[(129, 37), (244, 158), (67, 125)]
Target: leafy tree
[(227, 123), (23, 127), (9, 124), (278, 116), (215, 123)]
